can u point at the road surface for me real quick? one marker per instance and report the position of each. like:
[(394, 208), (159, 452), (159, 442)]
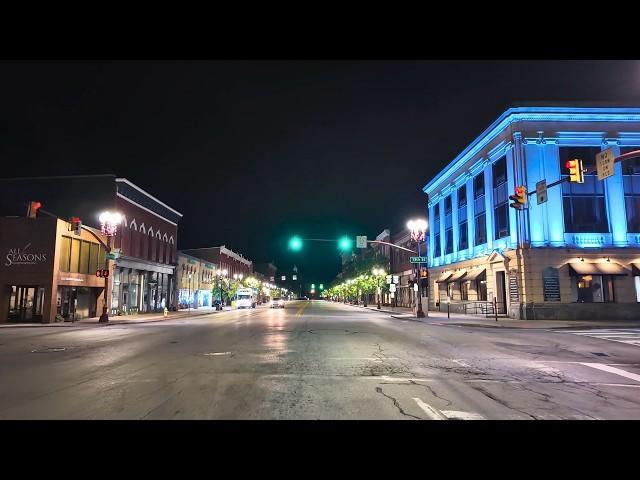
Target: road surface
[(316, 360)]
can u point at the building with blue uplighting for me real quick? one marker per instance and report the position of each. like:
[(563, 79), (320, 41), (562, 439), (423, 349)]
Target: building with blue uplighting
[(577, 255)]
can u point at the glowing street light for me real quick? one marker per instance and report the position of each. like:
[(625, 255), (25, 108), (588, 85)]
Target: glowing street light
[(109, 222)]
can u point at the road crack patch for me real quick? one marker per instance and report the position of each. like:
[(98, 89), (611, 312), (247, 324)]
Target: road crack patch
[(396, 404)]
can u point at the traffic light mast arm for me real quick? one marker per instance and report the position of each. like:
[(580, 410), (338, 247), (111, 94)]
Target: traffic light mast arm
[(392, 245), (621, 158), (368, 241)]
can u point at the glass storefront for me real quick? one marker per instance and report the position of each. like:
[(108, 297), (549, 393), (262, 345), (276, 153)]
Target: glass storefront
[(136, 291)]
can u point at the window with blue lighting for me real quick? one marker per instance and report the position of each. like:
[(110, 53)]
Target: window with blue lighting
[(631, 180), (480, 222), (463, 232), (436, 230), (583, 203), (500, 199), (448, 226)]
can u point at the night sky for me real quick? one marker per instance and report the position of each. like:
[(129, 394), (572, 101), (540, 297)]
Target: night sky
[(254, 151)]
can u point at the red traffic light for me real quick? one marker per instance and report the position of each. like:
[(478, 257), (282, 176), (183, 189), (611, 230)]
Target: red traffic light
[(105, 273), (98, 273)]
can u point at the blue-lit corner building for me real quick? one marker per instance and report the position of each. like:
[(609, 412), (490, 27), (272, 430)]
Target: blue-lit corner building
[(577, 255)]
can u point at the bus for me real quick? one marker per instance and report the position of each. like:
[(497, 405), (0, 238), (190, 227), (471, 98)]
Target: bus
[(246, 298)]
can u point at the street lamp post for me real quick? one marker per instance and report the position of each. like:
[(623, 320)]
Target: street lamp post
[(378, 272), (418, 229), (189, 299), (109, 222)]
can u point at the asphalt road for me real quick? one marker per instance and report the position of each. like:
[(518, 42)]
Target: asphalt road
[(315, 360)]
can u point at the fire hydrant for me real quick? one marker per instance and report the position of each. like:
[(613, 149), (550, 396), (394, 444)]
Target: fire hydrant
[(166, 312)]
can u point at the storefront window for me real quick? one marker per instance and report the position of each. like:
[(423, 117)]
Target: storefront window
[(636, 279), (75, 256), (593, 288), (65, 253), (450, 288), (84, 257), (464, 290), (93, 257), (481, 287)]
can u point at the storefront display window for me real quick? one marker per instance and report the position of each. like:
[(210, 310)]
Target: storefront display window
[(593, 288)]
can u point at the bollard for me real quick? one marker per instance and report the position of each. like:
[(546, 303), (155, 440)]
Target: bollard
[(166, 312)]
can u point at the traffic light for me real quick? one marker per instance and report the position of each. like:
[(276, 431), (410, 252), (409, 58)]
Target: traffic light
[(76, 225), (33, 209), (519, 198), (345, 243), (295, 243), (575, 170), (102, 273), (313, 286), (321, 286)]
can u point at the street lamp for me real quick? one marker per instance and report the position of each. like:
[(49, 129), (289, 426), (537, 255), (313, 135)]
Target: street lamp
[(109, 225), (189, 301), (378, 273), (418, 229)]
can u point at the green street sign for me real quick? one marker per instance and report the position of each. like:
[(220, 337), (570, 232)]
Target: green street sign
[(110, 256), (418, 259)]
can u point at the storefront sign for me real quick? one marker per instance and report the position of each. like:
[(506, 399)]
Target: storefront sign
[(551, 284), (21, 256)]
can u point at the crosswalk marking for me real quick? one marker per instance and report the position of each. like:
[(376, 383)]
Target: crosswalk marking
[(630, 336), (617, 371)]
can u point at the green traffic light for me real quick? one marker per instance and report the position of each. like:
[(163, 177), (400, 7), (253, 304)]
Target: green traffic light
[(344, 243), (295, 243)]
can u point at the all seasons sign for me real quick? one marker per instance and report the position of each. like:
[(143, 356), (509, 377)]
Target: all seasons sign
[(21, 256)]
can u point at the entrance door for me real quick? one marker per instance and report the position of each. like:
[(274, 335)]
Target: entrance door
[(501, 293)]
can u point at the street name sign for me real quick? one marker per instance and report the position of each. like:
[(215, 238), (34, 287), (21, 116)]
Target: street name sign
[(295, 277), (283, 277), (418, 259), (396, 279), (541, 191), (392, 288), (389, 279), (604, 162), (361, 241)]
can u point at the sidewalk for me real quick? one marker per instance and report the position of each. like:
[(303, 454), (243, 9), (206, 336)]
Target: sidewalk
[(440, 318), (124, 319)]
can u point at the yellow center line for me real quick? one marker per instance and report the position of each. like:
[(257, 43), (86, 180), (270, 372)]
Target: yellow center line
[(301, 309)]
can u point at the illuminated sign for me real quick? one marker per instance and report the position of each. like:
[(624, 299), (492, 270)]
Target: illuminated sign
[(17, 256)]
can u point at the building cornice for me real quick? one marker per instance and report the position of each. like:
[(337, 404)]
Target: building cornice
[(531, 114)]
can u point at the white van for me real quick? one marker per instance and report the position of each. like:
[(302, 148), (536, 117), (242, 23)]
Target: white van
[(245, 298)]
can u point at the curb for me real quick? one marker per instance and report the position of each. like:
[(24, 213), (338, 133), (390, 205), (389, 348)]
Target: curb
[(110, 323)]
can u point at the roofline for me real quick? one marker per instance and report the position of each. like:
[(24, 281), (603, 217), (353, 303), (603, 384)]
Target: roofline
[(544, 113), (124, 180)]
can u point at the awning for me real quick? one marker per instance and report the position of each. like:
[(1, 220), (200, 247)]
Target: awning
[(475, 273), (607, 268), (443, 277), (457, 276)]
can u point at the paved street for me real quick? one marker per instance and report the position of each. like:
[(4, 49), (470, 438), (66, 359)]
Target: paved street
[(316, 360)]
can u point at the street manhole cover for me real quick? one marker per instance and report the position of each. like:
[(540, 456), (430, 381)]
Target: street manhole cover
[(49, 350), (331, 331)]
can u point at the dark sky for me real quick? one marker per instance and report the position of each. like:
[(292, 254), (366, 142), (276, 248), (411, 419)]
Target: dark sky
[(253, 151)]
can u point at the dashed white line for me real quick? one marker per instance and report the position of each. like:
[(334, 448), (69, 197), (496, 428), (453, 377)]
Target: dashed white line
[(431, 412), (455, 415)]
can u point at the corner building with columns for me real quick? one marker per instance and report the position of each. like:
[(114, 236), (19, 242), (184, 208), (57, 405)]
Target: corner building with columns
[(575, 256)]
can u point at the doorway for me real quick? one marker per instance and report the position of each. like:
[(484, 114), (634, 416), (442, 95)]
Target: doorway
[(501, 293)]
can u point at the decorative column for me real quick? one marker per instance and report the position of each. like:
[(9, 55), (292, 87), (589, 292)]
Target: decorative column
[(614, 198)]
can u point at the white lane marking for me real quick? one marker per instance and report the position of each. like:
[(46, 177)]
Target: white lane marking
[(617, 371), (455, 415), (399, 379), (616, 385), (217, 353), (461, 363), (431, 412), (363, 358)]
